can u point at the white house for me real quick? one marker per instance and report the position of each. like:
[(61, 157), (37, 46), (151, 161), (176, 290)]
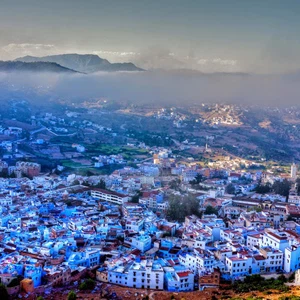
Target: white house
[(274, 259), (141, 242), (144, 274), (179, 281), (238, 265), (275, 239)]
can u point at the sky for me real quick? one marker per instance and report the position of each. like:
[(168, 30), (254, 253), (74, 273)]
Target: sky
[(258, 36)]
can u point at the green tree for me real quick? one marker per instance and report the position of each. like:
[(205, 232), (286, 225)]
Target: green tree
[(174, 184), (263, 188), (135, 198), (101, 185), (289, 298), (256, 208), (76, 182), (258, 283), (3, 174), (174, 209), (282, 188), (71, 296), (89, 173), (16, 281), (209, 210), (69, 203), (180, 207), (191, 205), (282, 278), (88, 284), (86, 183), (230, 189), (3, 292), (12, 175), (292, 277), (198, 179)]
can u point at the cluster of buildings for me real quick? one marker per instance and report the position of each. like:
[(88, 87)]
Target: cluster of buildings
[(22, 168), (103, 160), (56, 229)]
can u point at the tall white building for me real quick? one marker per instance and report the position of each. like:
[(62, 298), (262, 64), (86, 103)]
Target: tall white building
[(109, 196), (294, 171), (291, 258)]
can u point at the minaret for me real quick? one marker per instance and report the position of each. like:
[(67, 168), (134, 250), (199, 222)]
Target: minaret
[(206, 144), (294, 171)]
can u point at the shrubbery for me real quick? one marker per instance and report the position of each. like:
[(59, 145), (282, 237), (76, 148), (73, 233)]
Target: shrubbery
[(259, 283), (290, 298), (71, 295), (15, 282), (180, 207), (3, 292), (88, 284)]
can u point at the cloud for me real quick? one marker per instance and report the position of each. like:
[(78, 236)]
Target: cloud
[(224, 62), (152, 58), (157, 57), (13, 50), (202, 61), (28, 47), (160, 58), (156, 88), (116, 53), (217, 61), (117, 56)]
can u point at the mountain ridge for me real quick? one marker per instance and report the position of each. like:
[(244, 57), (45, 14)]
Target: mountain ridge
[(84, 63), (16, 66)]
